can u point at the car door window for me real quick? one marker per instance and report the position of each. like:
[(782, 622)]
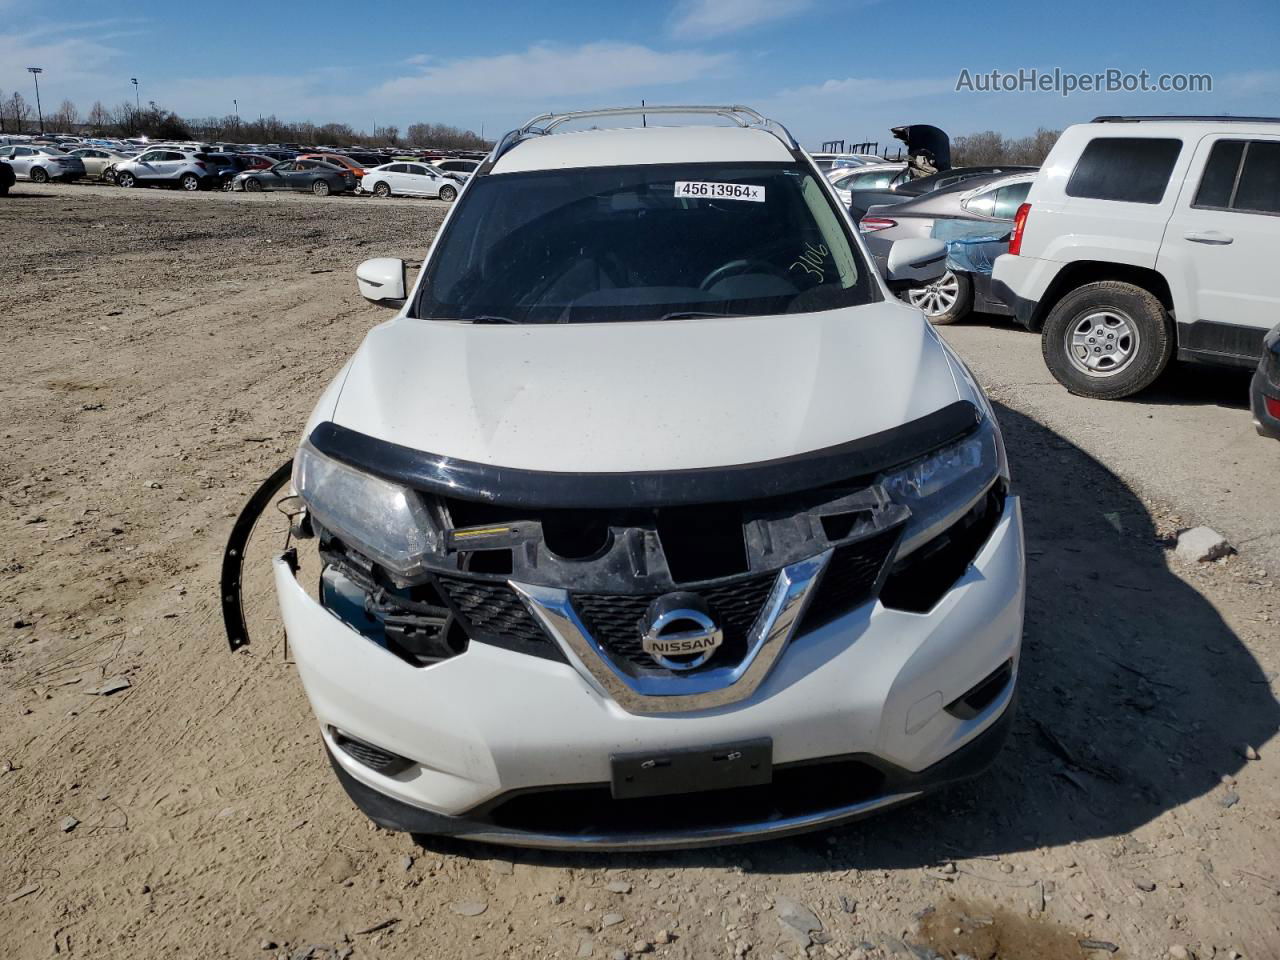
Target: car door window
[(1009, 198), (398, 168), (1243, 176)]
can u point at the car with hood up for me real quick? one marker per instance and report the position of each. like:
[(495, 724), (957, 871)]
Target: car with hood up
[(651, 518)]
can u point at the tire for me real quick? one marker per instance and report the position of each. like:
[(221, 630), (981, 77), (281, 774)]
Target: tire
[(448, 194), (380, 189), (39, 175), (1107, 340), (189, 182), (946, 300), (126, 179), (108, 176), (252, 186), (320, 188), (226, 184)]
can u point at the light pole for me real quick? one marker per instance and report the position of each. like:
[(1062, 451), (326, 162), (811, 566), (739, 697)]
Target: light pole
[(35, 74), (136, 102)]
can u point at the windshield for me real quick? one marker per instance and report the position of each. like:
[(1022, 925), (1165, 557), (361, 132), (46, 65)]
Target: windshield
[(644, 242)]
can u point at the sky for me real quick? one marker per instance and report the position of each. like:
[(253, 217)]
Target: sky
[(827, 69)]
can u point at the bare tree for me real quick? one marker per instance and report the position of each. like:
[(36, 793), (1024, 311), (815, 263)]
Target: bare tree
[(989, 147), (17, 110), (65, 118), (99, 119)]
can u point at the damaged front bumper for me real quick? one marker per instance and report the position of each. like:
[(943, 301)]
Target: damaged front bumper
[(863, 712)]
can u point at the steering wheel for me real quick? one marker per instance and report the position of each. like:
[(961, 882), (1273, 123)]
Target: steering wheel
[(735, 267)]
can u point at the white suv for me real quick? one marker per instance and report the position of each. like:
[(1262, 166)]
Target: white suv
[(169, 167), (1144, 238), (650, 488)]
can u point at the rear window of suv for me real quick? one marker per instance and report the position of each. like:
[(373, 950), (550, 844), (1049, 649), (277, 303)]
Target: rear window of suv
[(1241, 175), (1129, 169)]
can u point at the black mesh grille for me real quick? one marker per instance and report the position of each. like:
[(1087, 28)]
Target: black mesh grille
[(850, 578), (615, 621), (494, 609)]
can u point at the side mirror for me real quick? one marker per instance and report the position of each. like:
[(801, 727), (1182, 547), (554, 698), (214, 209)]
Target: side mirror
[(382, 281), (918, 259)]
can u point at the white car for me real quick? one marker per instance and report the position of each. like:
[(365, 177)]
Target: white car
[(410, 180), (42, 164), (100, 162), (650, 487), (1146, 238), (167, 167)]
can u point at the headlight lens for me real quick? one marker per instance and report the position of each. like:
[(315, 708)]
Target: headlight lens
[(939, 488), (386, 522)]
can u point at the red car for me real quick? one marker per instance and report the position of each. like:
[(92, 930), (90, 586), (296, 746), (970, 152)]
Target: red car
[(338, 160)]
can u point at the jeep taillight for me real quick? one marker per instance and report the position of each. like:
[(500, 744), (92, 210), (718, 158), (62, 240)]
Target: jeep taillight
[(872, 224), (1019, 224)]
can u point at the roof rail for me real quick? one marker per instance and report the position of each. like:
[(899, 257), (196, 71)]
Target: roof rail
[(1190, 117), (546, 123)]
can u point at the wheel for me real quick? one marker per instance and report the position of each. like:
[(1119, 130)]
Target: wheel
[(39, 175), (226, 184), (380, 189), (108, 175), (448, 194), (126, 179), (945, 300), (253, 186), (320, 188), (1107, 340), (190, 182)]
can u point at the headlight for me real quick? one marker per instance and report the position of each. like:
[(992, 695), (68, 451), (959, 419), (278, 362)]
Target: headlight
[(384, 521), (939, 488)]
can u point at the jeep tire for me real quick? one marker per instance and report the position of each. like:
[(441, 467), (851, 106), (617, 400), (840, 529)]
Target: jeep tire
[(1107, 340)]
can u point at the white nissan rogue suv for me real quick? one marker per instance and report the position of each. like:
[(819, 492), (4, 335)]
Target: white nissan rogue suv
[(652, 519)]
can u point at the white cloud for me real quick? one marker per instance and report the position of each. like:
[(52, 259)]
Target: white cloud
[(714, 18), (546, 71)]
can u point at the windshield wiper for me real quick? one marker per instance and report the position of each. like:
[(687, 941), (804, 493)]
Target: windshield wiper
[(694, 315), (487, 318)]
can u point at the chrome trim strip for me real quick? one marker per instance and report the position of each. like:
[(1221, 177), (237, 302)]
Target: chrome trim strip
[(687, 839), (701, 690)]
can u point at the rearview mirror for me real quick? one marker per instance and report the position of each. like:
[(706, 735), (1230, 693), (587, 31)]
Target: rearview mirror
[(919, 259), (382, 281)]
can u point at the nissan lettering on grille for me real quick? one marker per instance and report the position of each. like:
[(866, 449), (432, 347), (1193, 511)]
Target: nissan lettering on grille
[(679, 631)]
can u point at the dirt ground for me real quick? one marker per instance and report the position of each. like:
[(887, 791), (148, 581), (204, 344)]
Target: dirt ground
[(164, 351)]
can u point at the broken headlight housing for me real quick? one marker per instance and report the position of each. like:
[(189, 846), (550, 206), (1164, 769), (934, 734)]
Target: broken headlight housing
[(384, 521), (941, 487)]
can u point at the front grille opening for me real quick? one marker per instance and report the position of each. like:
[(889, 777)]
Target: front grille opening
[(575, 535), (918, 581), (375, 758), (981, 696), (796, 790), (702, 542), (487, 561), (850, 578), (837, 526)]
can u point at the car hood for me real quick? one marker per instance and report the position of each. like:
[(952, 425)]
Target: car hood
[(622, 397)]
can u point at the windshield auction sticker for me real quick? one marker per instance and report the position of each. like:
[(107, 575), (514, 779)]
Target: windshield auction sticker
[(719, 191)]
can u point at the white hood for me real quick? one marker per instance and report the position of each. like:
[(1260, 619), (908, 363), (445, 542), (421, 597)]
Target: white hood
[(666, 395)]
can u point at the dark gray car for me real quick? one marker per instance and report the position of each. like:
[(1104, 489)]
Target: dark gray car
[(313, 176), (974, 218)]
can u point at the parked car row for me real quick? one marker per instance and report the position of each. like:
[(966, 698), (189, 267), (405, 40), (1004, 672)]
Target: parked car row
[(193, 166)]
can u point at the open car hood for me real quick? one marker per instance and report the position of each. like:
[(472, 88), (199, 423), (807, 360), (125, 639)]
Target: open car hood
[(926, 144)]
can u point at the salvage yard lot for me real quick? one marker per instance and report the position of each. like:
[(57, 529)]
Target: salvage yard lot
[(165, 350)]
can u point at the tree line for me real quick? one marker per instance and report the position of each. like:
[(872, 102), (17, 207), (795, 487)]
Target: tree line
[(990, 148), (154, 121)]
